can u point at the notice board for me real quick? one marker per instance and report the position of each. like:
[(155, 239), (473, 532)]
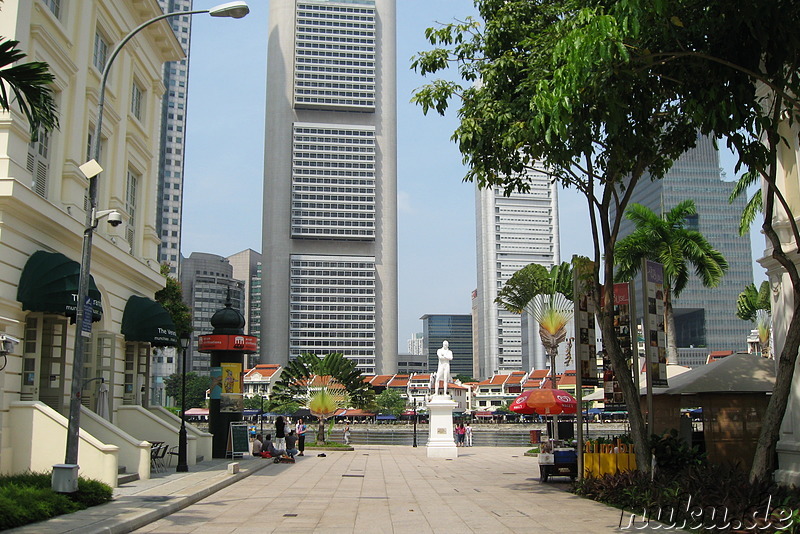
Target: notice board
[(238, 442)]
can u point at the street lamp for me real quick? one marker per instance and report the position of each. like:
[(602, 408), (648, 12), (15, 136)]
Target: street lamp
[(91, 169), (182, 467), (415, 422)]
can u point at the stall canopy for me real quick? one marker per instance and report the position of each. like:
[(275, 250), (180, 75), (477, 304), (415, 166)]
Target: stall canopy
[(147, 321), (49, 283)]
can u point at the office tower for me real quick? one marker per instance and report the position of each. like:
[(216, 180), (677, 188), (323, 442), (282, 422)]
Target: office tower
[(330, 186), (705, 317), (173, 120), (415, 343), (207, 282), (513, 231), (457, 331), (247, 268)]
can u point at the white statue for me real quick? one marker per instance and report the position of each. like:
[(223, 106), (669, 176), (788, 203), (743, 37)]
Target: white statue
[(443, 371)]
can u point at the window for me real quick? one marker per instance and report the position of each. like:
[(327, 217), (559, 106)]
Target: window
[(137, 100), (38, 162), (130, 206), (54, 6), (100, 51)]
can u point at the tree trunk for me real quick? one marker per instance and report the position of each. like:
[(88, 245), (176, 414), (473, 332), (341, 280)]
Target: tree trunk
[(321, 432), (669, 319)]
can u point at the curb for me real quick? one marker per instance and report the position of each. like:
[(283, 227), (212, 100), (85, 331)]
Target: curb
[(131, 524)]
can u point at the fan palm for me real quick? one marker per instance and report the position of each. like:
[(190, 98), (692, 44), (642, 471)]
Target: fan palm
[(323, 405), (666, 240), (31, 86), (756, 305), (544, 295)]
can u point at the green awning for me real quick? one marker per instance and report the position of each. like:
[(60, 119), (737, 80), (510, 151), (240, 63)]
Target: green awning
[(49, 283), (147, 320)]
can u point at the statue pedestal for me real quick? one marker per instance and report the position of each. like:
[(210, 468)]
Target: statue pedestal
[(440, 438)]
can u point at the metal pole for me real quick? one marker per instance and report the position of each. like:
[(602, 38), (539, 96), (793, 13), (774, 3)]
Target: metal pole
[(73, 427), (182, 444), (261, 415), (415, 422)]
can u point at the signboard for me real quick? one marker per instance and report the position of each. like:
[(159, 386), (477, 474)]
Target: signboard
[(238, 443), (86, 323), (625, 331), (655, 339), (216, 383), (231, 399), (238, 342), (584, 317)]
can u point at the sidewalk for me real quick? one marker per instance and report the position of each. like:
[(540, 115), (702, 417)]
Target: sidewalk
[(141, 502), (373, 489)]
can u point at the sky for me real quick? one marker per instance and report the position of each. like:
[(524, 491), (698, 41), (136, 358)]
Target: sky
[(224, 157)]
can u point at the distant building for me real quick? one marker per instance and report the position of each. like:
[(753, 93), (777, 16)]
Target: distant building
[(247, 268), (513, 231), (704, 317), (416, 344), (412, 363), (260, 380), (498, 390), (457, 331), (207, 281)]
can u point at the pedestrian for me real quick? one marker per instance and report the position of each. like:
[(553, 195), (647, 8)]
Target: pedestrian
[(468, 434), (347, 433), (461, 432), (280, 432), (271, 449), (291, 443), (300, 428), (257, 445)]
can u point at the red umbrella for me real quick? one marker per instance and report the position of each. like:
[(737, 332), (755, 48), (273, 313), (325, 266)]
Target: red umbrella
[(544, 402)]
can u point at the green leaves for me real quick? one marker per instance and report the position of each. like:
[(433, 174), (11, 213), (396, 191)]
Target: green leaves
[(31, 85), (750, 301)]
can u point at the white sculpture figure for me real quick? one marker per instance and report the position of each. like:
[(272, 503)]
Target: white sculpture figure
[(443, 371)]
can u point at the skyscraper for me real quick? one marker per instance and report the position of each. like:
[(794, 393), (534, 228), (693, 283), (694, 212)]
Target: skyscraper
[(330, 185), (705, 317), (457, 331), (513, 231), (173, 120)]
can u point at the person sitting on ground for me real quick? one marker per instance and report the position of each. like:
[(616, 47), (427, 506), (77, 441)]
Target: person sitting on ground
[(257, 445), (291, 441), (270, 448)]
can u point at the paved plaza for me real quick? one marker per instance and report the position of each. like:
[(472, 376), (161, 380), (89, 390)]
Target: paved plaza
[(374, 489)]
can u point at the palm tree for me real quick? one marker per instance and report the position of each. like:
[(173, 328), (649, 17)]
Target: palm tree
[(295, 379), (756, 305), (666, 240), (31, 86), (547, 297)]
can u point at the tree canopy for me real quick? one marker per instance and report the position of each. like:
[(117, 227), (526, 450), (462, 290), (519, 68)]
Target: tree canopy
[(196, 386), (293, 382), (390, 401), (171, 297)]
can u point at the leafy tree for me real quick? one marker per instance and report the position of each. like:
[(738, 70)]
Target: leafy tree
[(323, 405), (549, 99), (31, 85), (390, 401), (464, 378), (735, 69), (196, 387), (289, 407), (547, 297), (171, 297), (665, 239), (756, 305), (293, 383)]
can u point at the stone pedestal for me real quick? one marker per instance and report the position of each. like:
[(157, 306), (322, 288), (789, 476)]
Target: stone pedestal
[(440, 438)]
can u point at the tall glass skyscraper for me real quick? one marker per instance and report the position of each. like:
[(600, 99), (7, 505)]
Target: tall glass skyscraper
[(457, 331), (705, 317), (513, 231), (330, 184)]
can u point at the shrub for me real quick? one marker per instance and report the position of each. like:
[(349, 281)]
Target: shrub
[(27, 498)]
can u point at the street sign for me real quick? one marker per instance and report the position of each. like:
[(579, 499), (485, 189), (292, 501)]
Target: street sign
[(86, 325)]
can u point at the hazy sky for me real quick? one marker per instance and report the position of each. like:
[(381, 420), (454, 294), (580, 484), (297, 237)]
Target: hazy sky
[(225, 154)]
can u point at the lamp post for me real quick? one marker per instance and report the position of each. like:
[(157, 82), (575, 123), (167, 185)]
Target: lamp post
[(91, 169), (182, 467), (261, 415), (415, 422)]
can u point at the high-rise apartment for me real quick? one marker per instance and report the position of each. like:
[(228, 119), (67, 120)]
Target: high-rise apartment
[(246, 267), (513, 231), (173, 120), (330, 185), (207, 282), (416, 343), (457, 331), (704, 317)]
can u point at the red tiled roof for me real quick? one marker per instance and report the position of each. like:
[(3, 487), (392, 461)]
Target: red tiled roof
[(380, 380), (264, 369)]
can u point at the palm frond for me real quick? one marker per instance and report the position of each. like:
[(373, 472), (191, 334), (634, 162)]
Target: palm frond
[(31, 85)]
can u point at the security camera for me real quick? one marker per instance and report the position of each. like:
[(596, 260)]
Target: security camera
[(7, 343), (115, 218)]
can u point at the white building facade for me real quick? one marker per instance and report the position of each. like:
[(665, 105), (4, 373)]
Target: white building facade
[(329, 278), (512, 232)]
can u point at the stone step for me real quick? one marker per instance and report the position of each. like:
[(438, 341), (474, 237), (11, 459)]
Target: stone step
[(125, 478)]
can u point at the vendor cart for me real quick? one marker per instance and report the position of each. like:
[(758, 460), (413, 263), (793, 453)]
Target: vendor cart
[(562, 462)]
